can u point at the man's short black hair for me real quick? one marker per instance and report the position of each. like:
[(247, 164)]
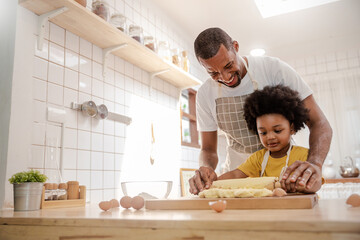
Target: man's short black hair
[(208, 42), (275, 99)]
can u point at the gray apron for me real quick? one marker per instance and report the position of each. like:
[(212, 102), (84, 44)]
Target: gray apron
[(230, 117)]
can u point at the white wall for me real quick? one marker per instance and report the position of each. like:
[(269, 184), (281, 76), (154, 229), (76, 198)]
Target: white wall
[(7, 49), (99, 154)]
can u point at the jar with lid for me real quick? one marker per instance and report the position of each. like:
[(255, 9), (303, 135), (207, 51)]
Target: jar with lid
[(101, 8), (119, 21), (185, 64), (48, 192), (164, 51), (136, 32), (149, 41), (175, 56), (62, 191), (55, 191)]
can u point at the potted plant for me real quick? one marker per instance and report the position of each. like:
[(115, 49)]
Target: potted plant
[(27, 190)]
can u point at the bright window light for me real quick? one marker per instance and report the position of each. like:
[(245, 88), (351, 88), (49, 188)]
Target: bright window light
[(257, 52), (270, 8)]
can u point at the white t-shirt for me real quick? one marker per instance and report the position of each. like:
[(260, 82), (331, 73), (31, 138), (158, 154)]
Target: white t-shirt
[(265, 70)]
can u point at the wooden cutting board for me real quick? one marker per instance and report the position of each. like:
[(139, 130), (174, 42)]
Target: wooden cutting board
[(306, 201)]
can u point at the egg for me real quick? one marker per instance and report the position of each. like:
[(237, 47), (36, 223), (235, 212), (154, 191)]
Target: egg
[(125, 202), (137, 202), (218, 206), (114, 203), (354, 200), (105, 205), (279, 192)]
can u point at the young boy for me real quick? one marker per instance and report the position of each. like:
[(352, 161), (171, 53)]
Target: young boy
[(274, 113)]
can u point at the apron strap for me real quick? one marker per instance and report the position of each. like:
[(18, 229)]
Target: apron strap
[(266, 158)]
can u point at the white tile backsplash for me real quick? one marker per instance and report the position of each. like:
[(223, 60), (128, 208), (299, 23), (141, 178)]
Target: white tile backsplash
[(56, 74), (40, 67), (97, 142), (71, 60), (85, 83), (57, 34), (56, 54), (85, 48), (55, 94), (85, 65), (39, 89), (69, 159), (84, 160), (72, 41), (84, 140)]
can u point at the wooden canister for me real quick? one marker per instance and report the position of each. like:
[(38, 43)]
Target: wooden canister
[(73, 190)]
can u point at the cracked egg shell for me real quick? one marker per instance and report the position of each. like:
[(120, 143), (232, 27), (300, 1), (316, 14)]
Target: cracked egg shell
[(218, 206), (279, 192), (354, 200)]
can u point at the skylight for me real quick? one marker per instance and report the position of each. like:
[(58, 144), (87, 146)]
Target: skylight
[(270, 8)]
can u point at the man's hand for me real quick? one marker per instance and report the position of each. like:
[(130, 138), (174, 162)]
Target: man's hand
[(202, 179), (306, 177)]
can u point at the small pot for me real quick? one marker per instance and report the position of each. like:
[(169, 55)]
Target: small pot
[(27, 196)]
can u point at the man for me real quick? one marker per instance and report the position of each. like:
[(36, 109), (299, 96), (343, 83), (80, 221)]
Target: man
[(220, 102)]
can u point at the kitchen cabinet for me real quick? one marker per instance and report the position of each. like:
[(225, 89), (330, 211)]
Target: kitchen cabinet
[(94, 29), (329, 219)]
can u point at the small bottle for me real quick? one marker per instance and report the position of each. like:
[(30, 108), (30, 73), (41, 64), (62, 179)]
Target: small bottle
[(62, 191), (176, 60), (48, 192), (101, 8), (55, 191), (149, 42), (164, 51), (136, 32), (185, 64), (119, 21), (73, 190)]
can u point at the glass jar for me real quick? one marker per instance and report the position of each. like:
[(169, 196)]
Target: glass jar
[(136, 32), (48, 192), (101, 8), (62, 191), (55, 191), (149, 41), (164, 51), (119, 21), (175, 56), (185, 64)]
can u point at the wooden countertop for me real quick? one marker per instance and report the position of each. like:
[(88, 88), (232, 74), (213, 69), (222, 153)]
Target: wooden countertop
[(330, 217)]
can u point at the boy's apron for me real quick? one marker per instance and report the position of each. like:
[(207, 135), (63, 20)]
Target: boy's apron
[(266, 159), (230, 116)]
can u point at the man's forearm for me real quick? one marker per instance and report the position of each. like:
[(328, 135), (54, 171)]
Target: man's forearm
[(208, 159), (319, 141)]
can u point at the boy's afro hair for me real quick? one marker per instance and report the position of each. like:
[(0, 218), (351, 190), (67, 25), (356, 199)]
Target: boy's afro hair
[(275, 99)]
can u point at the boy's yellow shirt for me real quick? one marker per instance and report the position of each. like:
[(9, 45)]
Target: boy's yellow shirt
[(252, 166)]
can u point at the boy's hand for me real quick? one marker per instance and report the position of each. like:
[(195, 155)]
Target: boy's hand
[(202, 179), (306, 177)]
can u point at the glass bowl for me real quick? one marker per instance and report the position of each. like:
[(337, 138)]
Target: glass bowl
[(147, 189)]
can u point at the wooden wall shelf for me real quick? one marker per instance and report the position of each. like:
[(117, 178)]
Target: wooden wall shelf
[(94, 29)]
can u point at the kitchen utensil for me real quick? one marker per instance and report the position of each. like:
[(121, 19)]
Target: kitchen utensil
[(102, 112), (89, 108), (349, 169), (304, 201), (147, 189)]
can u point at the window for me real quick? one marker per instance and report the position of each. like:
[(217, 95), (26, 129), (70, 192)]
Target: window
[(189, 133)]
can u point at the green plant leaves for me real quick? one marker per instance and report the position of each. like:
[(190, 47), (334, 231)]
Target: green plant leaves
[(29, 176)]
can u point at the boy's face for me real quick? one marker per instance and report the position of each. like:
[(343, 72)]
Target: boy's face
[(274, 132)]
